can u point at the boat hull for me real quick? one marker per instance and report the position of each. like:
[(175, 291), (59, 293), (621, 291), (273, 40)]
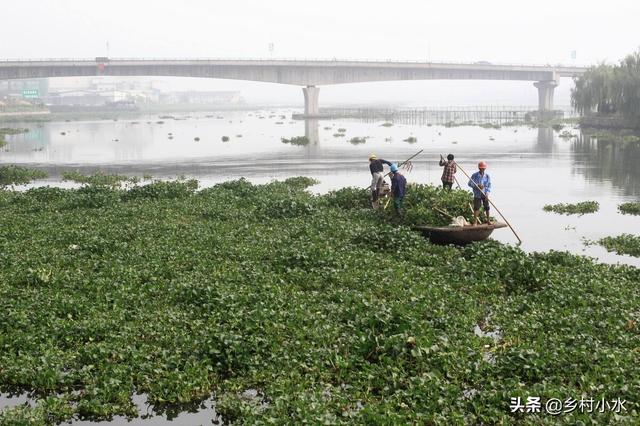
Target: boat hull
[(459, 235)]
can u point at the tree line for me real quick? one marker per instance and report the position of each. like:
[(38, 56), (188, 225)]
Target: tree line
[(610, 89)]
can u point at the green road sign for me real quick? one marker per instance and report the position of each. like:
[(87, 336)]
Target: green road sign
[(30, 93)]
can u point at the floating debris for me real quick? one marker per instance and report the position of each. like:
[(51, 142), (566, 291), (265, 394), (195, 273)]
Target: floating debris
[(566, 135)]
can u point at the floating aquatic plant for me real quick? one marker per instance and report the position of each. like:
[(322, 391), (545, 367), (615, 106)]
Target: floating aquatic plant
[(578, 208)]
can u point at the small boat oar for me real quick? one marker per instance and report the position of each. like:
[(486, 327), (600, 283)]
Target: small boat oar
[(491, 202)]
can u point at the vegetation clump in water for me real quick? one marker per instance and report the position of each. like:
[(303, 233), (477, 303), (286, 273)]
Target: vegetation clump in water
[(296, 140), (622, 244), (10, 131), (357, 140), (15, 175), (313, 302), (630, 208), (490, 125), (99, 179), (578, 208)]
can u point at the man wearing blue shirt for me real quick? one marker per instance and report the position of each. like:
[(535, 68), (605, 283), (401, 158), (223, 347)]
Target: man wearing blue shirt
[(398, 188), (481, 184)]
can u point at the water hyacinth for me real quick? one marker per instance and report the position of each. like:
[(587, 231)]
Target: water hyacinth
[(578, 208), (295, 308), (630, 208), (622, 244)]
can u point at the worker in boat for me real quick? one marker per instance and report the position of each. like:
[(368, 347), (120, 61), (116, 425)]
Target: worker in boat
[(376, 166), (448, 172), (398, 189), (480, 182)]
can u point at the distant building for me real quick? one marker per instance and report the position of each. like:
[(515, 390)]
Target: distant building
[(194, 97), (28, 89)]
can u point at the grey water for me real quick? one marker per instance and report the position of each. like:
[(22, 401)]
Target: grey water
[(203, 413), (529, 167)]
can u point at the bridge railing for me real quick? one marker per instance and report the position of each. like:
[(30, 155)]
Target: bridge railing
[(313, 60)]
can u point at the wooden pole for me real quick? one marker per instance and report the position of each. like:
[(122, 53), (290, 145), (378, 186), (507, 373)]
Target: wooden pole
[(459, 187), (491, 202)]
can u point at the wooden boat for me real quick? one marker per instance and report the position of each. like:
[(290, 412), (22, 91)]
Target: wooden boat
[(459, 235)]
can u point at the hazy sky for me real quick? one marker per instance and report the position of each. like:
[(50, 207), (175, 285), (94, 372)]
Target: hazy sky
[(499, 31)]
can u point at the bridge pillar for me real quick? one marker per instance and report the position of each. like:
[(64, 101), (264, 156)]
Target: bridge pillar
[(311, 94), (545, 97)]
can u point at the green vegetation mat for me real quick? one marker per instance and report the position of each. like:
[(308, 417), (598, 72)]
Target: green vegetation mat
[(622, 244), (578, 208), (16, 175), (630, 208), (331, 313)]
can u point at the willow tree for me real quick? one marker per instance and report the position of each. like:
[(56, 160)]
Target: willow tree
[(626, 86), (610, 89), (593, 91)]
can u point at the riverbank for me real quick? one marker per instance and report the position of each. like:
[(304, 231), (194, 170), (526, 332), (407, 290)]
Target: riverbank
[(295, 307), (609, 122), (79, 114)]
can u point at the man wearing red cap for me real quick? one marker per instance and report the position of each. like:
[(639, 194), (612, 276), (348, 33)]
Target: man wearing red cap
[(481, 184)]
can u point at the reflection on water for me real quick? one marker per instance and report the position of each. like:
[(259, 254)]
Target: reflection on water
[(615, 161), (311, 131), (545, 140)]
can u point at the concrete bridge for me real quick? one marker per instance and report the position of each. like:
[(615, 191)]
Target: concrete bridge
[(307, 73)]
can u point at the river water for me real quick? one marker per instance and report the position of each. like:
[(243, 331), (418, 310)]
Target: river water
[(529, 167)]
